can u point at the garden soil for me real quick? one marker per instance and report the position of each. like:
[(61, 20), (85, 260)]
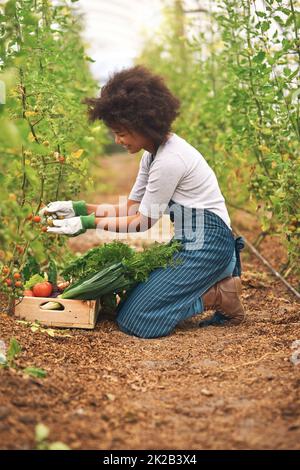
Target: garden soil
[(199, 388)]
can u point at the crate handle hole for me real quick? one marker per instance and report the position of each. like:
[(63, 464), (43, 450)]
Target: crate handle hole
[(62, 307)]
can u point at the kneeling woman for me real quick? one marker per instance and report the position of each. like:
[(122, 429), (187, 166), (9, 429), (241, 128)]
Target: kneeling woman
[(173, 178)]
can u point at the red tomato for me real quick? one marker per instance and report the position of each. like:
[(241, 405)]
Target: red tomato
[(18, 284), (42, 289), (28, 293), (5, 270), (17, 276), (36, 219), (8, 282)]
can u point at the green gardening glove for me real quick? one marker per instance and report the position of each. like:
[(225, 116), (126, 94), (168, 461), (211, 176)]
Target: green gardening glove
[(73, 226)]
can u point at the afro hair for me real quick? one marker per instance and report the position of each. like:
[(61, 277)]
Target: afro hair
[(137, 100)]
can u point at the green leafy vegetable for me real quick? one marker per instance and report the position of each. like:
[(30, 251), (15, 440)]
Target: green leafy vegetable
[(96, 259), (123, 275), (35, 279)]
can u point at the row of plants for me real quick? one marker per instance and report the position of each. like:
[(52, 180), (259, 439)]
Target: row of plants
[(46, 140), (235, 64)]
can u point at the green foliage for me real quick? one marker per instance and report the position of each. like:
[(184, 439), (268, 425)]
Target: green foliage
[(96, 259), (8, 361), (238, 78), (45, 140), (31, 268), (35, 327), (123, 272), (35, 372), (52, 272), (13, 350)]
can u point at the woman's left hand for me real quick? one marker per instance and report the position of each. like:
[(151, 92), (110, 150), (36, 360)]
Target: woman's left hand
[(73, 226)]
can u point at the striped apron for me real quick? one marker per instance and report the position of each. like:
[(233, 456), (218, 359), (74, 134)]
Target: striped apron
[(209, 254)]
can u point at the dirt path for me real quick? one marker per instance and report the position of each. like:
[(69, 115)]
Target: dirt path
[(210, 388)]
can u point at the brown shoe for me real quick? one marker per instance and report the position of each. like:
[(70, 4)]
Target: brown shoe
[(224, 296)]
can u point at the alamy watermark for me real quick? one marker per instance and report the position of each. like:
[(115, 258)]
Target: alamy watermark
[(188, 223)]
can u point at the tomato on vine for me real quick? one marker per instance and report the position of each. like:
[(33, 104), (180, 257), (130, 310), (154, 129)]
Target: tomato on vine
[(5, 270)]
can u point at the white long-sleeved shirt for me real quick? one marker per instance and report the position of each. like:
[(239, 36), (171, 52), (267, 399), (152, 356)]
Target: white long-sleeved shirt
[(178, 172)]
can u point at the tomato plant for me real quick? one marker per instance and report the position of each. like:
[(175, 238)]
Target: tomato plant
[(236, 68), (45, 140)]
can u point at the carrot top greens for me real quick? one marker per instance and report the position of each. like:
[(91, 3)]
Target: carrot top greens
[(115, 267)]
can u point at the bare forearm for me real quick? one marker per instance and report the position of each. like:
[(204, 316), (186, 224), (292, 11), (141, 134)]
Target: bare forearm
[(104, 210), (127, 224), (127, 208)]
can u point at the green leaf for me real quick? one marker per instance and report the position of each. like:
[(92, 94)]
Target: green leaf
[(30, 19), (265, 26), (294, 74), (89, 59), (51, 333), (3, 360), (35, 279), (34, 328), (290, 20), (9, 133), (52, 272), (279, 20), (259, 57), (13, 349), (10, 8), (284, 10), (58, 446), (31, 267), (35, 372), (41, 432)]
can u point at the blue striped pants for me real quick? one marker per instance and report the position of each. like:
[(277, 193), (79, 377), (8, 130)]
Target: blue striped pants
[(153, 308)]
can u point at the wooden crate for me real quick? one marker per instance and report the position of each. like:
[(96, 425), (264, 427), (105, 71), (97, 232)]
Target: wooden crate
[(77, 313)]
